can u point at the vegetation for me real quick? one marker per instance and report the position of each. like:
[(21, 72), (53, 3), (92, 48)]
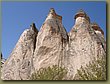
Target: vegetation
[(49, 73), (96, 70)]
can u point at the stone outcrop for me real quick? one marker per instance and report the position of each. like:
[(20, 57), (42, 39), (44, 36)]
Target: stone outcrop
[(51, 41), (84, 44), (20, 63), (100, 34), (52, 45), (97, 29)]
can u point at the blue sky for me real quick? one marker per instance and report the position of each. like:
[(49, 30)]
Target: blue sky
[(17, 16)]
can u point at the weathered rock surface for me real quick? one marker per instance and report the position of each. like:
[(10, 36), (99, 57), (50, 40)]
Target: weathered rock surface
[(84, 44), (19, 65), (100, 34), (51, 41), (53, 46)]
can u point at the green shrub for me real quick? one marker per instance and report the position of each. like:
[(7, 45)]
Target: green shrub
[(49, 73), (96, 70)]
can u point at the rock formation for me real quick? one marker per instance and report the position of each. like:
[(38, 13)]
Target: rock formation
[(20, 63), (52, 45), (100, 34), (51, 41), (84, 44)]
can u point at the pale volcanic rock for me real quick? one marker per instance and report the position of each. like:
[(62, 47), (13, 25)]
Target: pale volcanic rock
[(99, 32), (19, 65), (51, 41), (84, 44), (52, 45)]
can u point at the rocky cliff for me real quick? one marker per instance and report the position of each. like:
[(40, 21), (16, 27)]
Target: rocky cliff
[(20, 63), (52, 45)]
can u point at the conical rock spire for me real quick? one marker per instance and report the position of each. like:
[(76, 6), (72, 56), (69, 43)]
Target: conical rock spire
[(84, 44), (52, 15), (19, 65), (51, 42)]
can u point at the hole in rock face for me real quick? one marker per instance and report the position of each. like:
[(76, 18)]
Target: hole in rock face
[(52, 30), (18, 60), (23, 67), (28, 63)]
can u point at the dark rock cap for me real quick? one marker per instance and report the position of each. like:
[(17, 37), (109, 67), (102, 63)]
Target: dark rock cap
[(33, 27), (52, 10), (81, 13), (96, 27), (1, 56)]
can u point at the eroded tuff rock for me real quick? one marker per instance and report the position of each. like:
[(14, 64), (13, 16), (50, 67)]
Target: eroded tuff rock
[(84, 43), (20, 65), (51, 41), (100, 34), (53, 46)]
